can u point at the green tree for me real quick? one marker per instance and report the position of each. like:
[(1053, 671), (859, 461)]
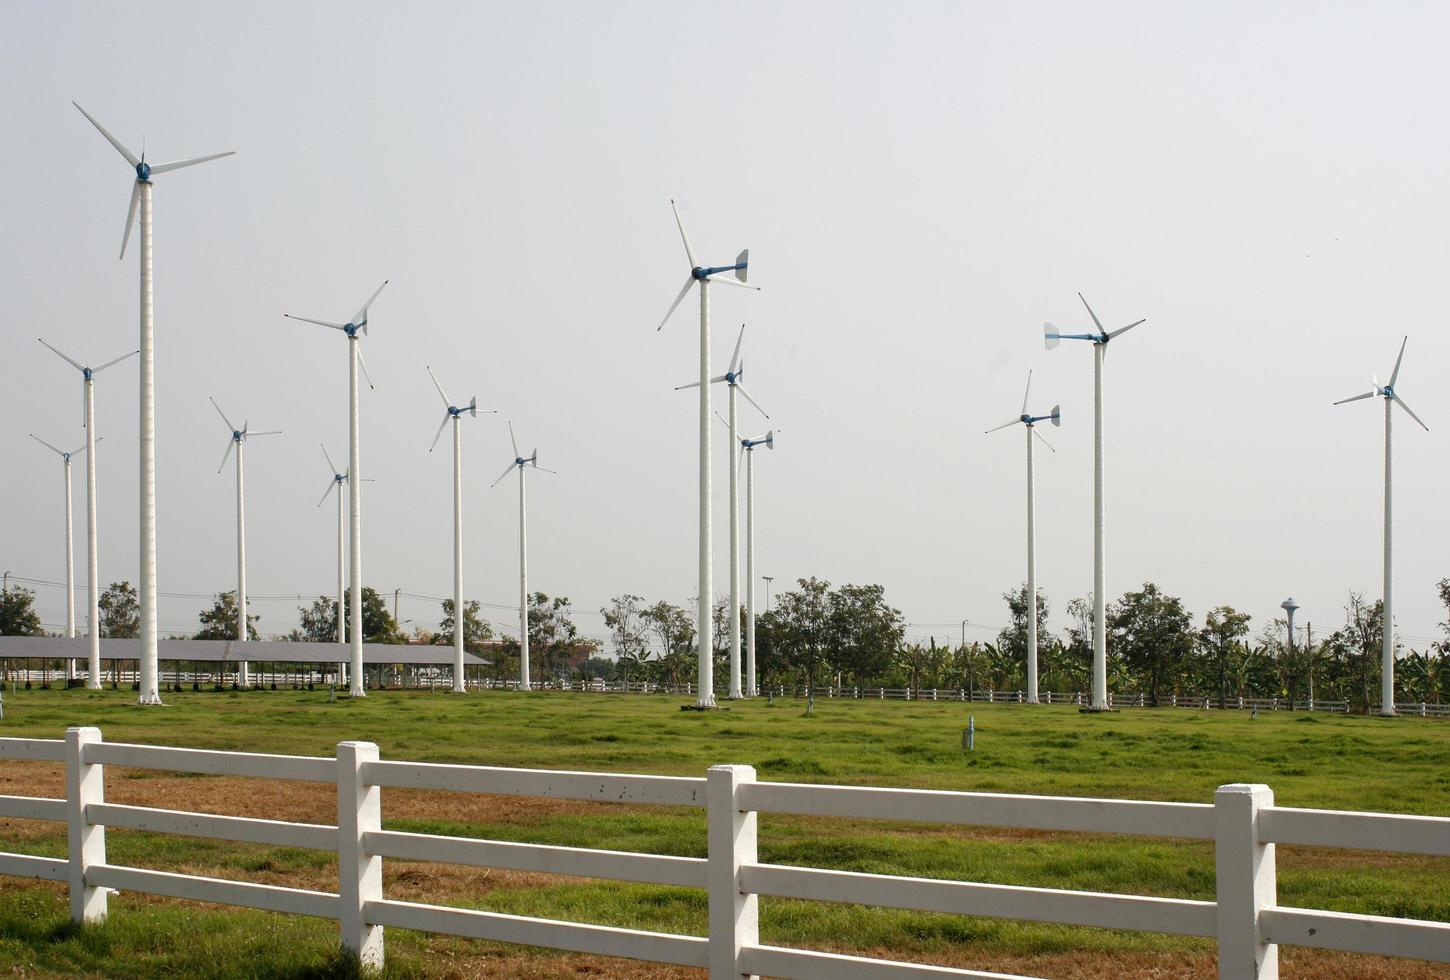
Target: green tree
[(476, 629), (17, 613), (120, 611), (1222, 628), (803, 618), (319, 623), (220, 621), (673, 630), (623, 617), (1012, 641), (552, 633), (864, 633), (1151, 634), (1358, 644)]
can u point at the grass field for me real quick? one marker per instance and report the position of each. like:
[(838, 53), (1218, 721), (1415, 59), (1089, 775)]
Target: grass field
[(1399, 765)]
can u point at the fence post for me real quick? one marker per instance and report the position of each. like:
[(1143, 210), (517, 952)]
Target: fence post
[(734, 914), (359, 874), (84, 783), (1245, 870)]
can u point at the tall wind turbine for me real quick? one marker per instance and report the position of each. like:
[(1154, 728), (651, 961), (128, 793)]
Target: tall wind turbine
[(357, 326), (455, 413), (93, 594), (239, 438), (141, 200), (1100, 350), (748, 445), (1030, 421), (532, 462), (732, 379), (70, 563), (1387, 650), (705, 275)]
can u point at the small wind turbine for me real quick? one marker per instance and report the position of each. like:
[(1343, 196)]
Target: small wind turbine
[(93, 594), (1030, 421), (336, 483), (358, 325), (532, 462), (1387, 651), (239, 438), (141, 200), (748, 445), (705, 275), (70, 564), (1100, 635), (455, 413), (732, 378)]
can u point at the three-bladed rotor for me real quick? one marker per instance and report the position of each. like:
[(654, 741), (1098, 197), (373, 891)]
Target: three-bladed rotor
[(1028, 419), (238, 436), (354, 328), (701, 273), (1051, 335), (144, 171), (452, 411), (87, 372), (732, 376), (1387, 391), (65, 456), (520, 460)]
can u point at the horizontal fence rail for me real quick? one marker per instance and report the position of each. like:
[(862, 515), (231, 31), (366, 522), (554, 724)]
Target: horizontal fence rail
[(1243, 823)]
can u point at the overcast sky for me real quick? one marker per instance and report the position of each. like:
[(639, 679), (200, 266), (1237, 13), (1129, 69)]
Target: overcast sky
[(921, 186)]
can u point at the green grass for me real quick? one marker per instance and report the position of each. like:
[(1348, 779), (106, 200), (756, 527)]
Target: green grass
[(1394, 765)]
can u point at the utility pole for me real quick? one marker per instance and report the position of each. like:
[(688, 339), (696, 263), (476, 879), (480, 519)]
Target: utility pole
[(1309, 658), (398, 592), (768, 580)]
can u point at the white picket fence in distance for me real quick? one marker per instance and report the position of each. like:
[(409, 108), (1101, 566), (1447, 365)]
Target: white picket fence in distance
[(1245, 919)]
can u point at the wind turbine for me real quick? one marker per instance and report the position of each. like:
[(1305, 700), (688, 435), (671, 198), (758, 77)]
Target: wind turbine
[(1030, 421), (358, 325), (705, 275), (521, 463), (93, 595), (239, 438), (1100, 350), (1387, 651), (456, 413), (748, 445), (70, 564), (141, 200), (732, 379), (336, 483)]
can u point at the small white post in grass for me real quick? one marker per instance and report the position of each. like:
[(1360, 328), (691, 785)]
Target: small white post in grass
[(734, 915), (360, 874), (84, 784), (1245, 871)]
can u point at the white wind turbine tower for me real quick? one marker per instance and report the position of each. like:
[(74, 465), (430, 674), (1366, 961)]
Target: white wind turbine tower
[(336, 483), (1387, 650), (70, 563), (358, 325), (141, 200), (1029, 422), (1100, 635), (455, 413), (239, 439), (748, 445), (93, 596), (705, 275), (732, 378), (521, 463)]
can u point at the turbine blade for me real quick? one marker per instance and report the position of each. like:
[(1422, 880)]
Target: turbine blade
[(111, 363), (439, 434), (120, 147), (163, 168), (446, 402), (689, 252), (731, 282), (735, 358), (1002, 426), (1043, 438), (230, 427), (42, 441), (692, 384), (678, 299), (1123, 330), (321, 323), (512, 441), (226, 454), (130, 216), (1354, 398), (1401, 402), (72, 363), (364, 365), (1050, 336), (1396, 372), (1096, 322), (268, 432), (545, 469), (503, 474), (330, 484), (361, 319), (746, 395), (325, 456), (1027, 392)]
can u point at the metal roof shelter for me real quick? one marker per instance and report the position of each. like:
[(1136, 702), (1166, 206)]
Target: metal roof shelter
[(230, 651)]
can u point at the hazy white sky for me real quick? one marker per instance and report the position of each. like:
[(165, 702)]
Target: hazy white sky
[(921, 186)]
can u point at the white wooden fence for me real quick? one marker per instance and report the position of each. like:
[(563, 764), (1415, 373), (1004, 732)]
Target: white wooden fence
[(1243, 822)]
